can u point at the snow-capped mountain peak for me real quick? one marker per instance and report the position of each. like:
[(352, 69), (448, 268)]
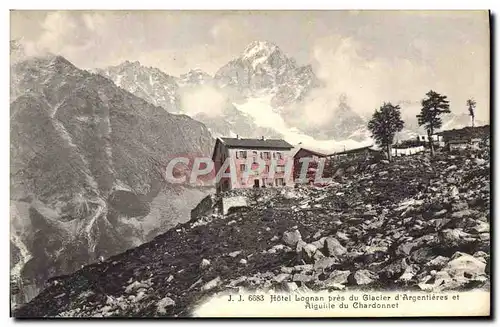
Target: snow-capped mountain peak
[(259, 49), (194, 77)]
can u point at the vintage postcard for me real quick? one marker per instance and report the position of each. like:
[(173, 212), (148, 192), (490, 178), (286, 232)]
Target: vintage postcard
[(330, 163)]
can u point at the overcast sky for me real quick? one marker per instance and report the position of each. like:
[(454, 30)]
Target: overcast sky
[(373, 56)]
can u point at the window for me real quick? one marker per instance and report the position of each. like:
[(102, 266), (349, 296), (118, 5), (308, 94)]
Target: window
[(266, 155), (241, 154), (243, 167), (280, 168), (266, 169), (279, 155), (280, 182), (254, 154)]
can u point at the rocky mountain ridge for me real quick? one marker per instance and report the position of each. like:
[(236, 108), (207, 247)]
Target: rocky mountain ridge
[(86, 170), (262, 70)]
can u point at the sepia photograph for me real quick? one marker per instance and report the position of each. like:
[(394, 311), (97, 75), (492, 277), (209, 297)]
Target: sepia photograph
[(249, 163)]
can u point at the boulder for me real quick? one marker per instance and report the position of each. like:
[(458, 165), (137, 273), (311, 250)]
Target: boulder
[(394, 269), (234, 254), (319, 243), (440, 223), (342, 236), (237, 281), (458, 272), (303, 278), (291, 238), (422, 255), (455, 237), (376, 249), (300, 246), (351, 169), (338, 277), (317, 234), (134, 287), (440, 213), (290, 287), (318, 255), (211, 284), (462, 214), (204, 264), (409, 273), (404, 249), (363, 277), (437, 263), (453, 191), (438, 281), (164, 304), (459, 206), (333, 247), (479, 161), (339, 173), (463, 265), (481, 227), (370, 214), (324, 263), (308, 252), (281, 278), (481, 254)]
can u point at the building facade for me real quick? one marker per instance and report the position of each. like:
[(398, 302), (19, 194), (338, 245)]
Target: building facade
[(313, 163), (463, 144), (437, 139), (252, 163)]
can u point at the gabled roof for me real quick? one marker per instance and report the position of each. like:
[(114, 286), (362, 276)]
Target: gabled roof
[(458, 141), (319, 154), (255, 143), (353, 150), (463, 140)]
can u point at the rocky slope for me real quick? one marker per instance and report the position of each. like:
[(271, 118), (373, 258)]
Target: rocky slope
[(86, 160), (414, 224)]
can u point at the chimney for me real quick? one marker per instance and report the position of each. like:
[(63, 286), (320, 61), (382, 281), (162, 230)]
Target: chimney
[(238, 136), (263, 138)]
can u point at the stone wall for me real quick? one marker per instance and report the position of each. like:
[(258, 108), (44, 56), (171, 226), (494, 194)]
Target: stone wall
[(221, 203), (233, 202)]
